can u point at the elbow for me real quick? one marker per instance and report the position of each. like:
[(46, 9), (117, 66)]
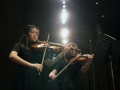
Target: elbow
[(14, 57), (11, 56)]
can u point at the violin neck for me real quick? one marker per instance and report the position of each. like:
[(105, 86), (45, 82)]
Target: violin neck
[(57, 44), (83, 56)]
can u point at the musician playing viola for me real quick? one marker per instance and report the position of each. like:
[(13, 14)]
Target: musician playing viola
[(70, 76), (29, 61)]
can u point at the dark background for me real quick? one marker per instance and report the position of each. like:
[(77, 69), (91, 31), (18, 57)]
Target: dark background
[(85, 19)]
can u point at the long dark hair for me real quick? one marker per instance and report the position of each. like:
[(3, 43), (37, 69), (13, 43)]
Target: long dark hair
[(24, 39)]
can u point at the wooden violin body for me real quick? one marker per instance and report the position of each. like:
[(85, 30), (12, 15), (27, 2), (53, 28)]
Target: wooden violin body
[(81, 58), (42, 44)]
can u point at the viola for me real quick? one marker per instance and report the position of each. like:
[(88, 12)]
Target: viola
[(42, 44), (80, 58), (71, 61)]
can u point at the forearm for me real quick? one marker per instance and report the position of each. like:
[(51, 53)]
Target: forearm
[(49, 63), (15, 58), (85, 67), (54, 71)]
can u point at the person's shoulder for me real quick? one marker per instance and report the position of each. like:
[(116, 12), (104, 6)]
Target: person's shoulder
[(17, 45)]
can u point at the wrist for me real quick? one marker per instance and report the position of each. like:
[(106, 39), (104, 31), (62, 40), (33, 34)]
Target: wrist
[(30, 65), (54, 71)]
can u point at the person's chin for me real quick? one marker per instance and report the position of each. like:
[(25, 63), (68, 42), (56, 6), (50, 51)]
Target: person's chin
[(34, 41)]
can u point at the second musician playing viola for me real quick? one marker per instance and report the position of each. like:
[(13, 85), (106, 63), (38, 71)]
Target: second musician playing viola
[(70, 76)]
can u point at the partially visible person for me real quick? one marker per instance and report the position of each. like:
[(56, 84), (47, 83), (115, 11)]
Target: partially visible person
[(70, 76), (29, 60)]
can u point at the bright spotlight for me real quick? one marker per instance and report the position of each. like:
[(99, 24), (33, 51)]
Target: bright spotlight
[(64, 6), (64, 10), (63, 2), (65, 41), (64, 16), (64, 33), (63, 21), (96, 2)]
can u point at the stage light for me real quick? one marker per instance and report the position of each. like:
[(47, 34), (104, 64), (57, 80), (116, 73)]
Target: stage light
[(63, 2), (103, 16), (96, 2), (64, 10), (64, 6), (65, 41), (64, 33), (64, 16)]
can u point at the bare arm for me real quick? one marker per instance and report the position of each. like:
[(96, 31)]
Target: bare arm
[(54, 71), (49, 63), (87, 65), (52, 74), (15, 58)]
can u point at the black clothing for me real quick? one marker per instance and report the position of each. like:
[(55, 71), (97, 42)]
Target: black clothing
[(27, 78), (70, 76)]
